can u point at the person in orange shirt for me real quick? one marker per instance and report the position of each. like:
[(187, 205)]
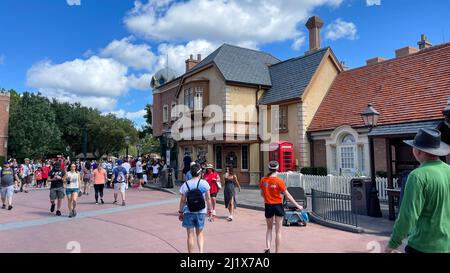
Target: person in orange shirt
[(100, 179), (272, 189)]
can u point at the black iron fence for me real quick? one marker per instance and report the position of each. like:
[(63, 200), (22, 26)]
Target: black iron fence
[(333, 207)]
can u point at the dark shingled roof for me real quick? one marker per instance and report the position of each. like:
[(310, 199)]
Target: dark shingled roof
[(241, 65), (404, 128), (290, 78)]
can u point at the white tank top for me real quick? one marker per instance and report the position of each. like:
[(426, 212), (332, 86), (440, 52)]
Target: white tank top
[(73, 178)]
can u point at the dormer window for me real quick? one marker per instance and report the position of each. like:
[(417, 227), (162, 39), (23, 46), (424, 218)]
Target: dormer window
[(193, 98)]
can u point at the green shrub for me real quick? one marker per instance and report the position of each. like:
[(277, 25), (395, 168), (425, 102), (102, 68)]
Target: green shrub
[(307, 171), (381, 174), (322, 171)]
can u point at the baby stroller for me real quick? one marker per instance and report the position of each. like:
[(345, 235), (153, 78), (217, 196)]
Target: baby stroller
[(292, 215)]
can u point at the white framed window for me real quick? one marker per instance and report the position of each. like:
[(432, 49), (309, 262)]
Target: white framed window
[(171, 109), (188, 151), (198, 99), (347, 154), (165, 113)]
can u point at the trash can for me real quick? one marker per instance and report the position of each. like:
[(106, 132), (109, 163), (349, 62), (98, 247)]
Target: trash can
[(360, 189), (163, 178)]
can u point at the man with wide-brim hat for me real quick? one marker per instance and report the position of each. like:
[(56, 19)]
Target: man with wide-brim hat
[(425, 211)]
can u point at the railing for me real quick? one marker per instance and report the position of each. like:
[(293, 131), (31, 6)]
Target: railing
[(333, 207), (331, 184)]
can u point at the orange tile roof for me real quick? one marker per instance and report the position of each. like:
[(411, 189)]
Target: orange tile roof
[(405, 89)]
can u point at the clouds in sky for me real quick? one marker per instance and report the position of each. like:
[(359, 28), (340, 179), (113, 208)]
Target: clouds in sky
[(373, 3), (250, 22), (73, 2), (176, 29), (340, 29)]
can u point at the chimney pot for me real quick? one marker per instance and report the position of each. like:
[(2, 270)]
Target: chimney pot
[(190, 63), (199, 57), (375, 60), (424, 43), (405, 51), (314, 25)]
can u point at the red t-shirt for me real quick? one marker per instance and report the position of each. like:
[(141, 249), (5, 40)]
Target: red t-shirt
[(272, 188), (45, 171), (212, 183)]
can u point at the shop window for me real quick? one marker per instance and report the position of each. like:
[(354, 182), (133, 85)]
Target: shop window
[(244, 155)]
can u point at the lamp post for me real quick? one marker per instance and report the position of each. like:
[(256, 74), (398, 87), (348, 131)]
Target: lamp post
[(138, 148), (127, 142), (370, 117)]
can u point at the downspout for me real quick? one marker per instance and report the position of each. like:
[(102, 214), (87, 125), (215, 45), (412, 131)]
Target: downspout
[(261, 153), (311, 145)]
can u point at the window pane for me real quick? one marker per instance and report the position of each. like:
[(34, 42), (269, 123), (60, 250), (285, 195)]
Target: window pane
[(219, 157), (244, 155)]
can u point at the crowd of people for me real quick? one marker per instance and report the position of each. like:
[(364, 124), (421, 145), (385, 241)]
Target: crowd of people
[(72, 179)]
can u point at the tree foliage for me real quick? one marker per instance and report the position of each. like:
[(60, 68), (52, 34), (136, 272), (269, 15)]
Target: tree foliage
[(40, 127)]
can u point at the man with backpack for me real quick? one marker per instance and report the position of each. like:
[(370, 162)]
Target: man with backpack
[(193, 210), (119, 178)]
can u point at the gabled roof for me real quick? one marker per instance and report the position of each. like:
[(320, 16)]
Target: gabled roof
[(290, 78), (406, 89), (240, 65)]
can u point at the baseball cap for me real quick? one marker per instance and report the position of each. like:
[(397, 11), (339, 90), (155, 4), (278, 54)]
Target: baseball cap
[(120, 161)]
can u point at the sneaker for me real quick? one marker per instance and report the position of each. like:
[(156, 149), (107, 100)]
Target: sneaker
[(58, 213), (9, 207), (266, 250), (123, 203), (96, 203), (70, 215), (230, 218), (52, 208), (103, 202), (115, 202), (4, 206), (74, 213)]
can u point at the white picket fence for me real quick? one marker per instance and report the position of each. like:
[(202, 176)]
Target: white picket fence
[(330, 183)]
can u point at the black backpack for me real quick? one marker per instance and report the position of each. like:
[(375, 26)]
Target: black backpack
[(195, 200)]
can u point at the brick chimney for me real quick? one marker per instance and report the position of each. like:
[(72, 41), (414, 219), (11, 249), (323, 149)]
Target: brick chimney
[(314, 25), (375, 60), (190, 63), (405, 51), (423, 43)]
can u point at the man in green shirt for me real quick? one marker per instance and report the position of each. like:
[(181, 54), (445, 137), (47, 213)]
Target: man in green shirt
[(425, 210)]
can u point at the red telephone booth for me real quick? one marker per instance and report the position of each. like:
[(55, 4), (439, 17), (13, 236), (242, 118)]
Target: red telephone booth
[(283, 152)]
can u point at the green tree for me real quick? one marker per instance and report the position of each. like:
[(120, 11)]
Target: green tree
[(32, 128)]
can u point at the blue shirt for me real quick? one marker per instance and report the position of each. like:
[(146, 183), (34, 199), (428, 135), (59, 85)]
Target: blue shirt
[(188, 176), (117, 172)]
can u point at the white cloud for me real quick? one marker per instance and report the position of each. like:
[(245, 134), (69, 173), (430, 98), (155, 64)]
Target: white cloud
[(2, 59), (136, 117), (131, 55), (178, 54), (141, 82), (102, 77), (73, 2), (340, 29), (95, 82), (373, 3), (250, 22), (298, 42)]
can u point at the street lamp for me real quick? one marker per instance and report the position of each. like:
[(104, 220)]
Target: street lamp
[(127, 142), (370, 117), (138, 148)]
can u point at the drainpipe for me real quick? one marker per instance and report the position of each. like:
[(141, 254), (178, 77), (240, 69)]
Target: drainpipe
[(261, 153)]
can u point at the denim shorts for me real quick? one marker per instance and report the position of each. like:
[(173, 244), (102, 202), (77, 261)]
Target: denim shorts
[(194, 220), (69, 192), (7, 191)]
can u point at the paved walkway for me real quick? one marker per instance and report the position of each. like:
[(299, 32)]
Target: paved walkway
[(149, 223), (250, 198)]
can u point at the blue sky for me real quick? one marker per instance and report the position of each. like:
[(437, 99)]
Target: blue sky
[(103, 52)]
